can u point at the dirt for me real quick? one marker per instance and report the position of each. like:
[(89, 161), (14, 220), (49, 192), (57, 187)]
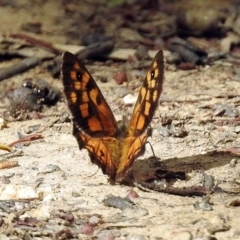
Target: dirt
[(65, 181)]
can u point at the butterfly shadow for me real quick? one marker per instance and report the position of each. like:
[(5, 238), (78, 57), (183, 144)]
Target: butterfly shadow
[(150, 171)]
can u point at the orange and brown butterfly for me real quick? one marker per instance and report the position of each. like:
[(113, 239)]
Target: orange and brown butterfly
[(94, 124)]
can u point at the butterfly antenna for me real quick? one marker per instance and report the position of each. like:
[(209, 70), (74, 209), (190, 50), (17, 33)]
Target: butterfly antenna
[(93, 173), (152, 149)]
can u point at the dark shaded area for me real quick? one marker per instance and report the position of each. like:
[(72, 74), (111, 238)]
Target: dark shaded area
[(160, 175)]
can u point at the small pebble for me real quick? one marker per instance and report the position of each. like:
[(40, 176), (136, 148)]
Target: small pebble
[(233, 163), (132, 194), (94, 220), (208, 181), (87, 229), (130, 99), (118, 202), (203, 204), (120, 77), (51, 168), (105, 235)]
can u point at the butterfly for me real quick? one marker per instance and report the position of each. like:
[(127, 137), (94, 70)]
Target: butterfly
[(94, 125)]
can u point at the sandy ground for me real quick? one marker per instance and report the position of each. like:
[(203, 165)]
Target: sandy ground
[(66, 180)]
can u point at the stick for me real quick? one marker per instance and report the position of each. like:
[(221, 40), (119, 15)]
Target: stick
[(5, 147), (22, 66), (8, 164), (36, 42), (26, 139)]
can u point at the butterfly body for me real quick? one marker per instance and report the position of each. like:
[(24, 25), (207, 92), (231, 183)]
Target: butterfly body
[(94, 124)]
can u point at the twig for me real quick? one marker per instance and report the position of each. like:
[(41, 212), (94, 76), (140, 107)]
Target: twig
[(15, 153), (36, 42), (185, 191), (5, 147), (26, 139), (8, 164), (233, 150), (187, 100), (230, 122), (19, 67), (96, 50)]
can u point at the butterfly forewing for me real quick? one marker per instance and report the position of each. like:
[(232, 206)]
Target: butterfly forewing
[(148, 97), (90, 110)]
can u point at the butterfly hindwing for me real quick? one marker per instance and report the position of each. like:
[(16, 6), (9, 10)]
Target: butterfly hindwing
[(98, 149), (133, 147)]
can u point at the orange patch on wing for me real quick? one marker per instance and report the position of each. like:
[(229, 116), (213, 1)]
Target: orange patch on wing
[(147, 96), (140, 122), (77, 85), (154, 64), (85, 80), (93, 95), (85, 97), (147, 108), (155, 95), (73, 97), (73, 75), (84, 110), (152, 84), (76, 66), (94, 124)]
